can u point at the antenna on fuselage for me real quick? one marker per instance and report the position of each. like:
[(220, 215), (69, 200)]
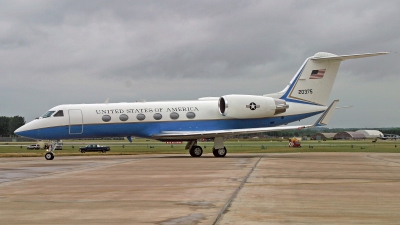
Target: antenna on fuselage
[(107, 100)]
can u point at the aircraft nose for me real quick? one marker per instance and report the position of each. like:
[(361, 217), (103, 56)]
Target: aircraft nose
[(27, 130), (19, 130)]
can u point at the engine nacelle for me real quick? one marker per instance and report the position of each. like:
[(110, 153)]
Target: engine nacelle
[(250, 106)]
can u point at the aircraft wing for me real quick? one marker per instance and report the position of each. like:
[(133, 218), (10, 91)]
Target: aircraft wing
[(190, 135)]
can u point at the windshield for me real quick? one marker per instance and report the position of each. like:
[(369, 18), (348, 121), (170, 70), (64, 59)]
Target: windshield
[(48, 114)]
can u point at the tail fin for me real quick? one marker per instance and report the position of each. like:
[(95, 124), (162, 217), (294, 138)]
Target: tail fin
[(313, 83)]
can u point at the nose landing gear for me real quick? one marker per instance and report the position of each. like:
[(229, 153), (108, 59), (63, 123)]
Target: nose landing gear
[(49, 156), (50, 152)]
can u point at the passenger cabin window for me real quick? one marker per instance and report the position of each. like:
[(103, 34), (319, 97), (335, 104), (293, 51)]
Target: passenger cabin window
[(106, 118), (157, 116), (123, 117), (48, 114), (174, 115), (60, 113), (140, 117), (190, 115)]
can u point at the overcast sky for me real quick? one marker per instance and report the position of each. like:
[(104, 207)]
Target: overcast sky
[(65, 52)]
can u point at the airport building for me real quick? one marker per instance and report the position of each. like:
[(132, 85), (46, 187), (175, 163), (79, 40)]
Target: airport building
[(371, 133), (348, 135), (322, 136)]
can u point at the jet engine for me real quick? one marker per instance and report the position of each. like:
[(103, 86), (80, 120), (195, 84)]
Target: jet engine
[(250, 106)]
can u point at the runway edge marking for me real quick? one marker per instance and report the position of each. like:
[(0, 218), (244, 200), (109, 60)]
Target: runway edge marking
[(236, 192)]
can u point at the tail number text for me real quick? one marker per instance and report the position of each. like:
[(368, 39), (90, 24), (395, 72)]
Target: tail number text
[(305, 92)]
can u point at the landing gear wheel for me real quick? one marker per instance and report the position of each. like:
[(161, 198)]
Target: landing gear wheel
[(82, 151), (49, 156), (196, 151), (219, 152)]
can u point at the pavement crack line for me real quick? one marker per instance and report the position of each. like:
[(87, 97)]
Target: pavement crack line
[(386, 160), (236, 192)]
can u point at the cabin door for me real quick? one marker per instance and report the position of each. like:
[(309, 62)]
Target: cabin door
[(75, 121)]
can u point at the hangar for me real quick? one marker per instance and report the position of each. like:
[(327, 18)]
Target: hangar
[(371, 133), (322, 136), (348, 135)]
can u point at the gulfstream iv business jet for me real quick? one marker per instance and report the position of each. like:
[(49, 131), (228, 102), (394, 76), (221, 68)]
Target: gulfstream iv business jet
[(306, 95)]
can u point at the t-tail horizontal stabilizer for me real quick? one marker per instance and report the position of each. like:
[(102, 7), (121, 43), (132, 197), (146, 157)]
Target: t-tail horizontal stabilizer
[(328, 56)]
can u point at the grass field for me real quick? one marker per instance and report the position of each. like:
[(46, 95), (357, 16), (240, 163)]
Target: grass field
[(142, 146)]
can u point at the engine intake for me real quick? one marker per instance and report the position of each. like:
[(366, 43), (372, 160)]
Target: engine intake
[(250, 106)]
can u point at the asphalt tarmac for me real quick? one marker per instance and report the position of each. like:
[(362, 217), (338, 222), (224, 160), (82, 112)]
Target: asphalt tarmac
[(301, 188)]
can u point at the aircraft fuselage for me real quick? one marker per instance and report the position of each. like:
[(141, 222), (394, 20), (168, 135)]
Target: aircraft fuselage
[(144, 119)]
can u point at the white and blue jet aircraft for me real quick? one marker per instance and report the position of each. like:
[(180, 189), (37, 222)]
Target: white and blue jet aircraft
[(212, 117)]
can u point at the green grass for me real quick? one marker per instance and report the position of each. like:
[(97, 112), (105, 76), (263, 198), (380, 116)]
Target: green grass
[(142, 146)]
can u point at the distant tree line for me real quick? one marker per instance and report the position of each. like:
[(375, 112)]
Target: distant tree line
[(9, 124), (390, 130)]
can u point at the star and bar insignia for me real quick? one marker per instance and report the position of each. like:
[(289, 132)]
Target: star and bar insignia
[(252, 106)]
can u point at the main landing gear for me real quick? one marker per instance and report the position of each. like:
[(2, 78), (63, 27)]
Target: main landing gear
[(196, 151), (219, 150)]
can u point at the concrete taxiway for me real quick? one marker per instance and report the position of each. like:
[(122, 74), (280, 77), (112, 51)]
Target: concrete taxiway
[(308, 188)]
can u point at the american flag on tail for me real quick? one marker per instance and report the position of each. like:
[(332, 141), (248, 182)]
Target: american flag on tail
[(317, 74)]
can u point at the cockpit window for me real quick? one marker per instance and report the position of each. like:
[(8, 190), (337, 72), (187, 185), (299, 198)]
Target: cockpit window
[(59, 113), (48, 114)]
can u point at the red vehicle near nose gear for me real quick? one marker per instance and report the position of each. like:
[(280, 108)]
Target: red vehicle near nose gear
[(293, 142)]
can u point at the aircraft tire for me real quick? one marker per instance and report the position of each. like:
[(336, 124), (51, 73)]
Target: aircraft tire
[(219, 152), (82, 151), (196, 151), (49, 156)]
